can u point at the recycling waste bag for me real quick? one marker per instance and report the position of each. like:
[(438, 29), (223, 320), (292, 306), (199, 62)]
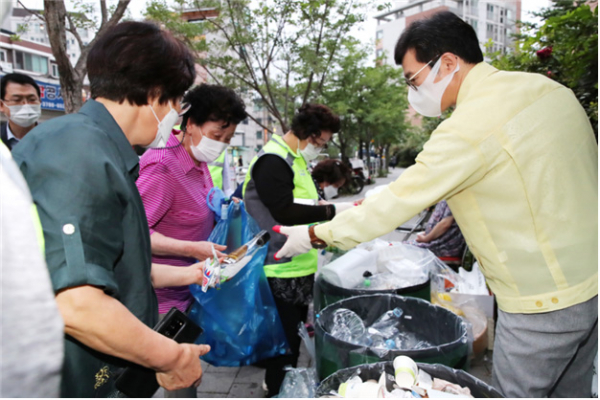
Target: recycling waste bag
[(477, 387), (438, 335), (240, 319), (377, 267)]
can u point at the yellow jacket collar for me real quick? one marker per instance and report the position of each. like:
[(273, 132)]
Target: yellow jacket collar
[(475, 75)]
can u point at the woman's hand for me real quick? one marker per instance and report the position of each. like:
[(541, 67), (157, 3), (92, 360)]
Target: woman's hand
[(196, 273), (202, 250), (422, 238)]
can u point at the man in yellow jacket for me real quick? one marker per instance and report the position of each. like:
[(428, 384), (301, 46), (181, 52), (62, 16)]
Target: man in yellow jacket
[(517, 163)]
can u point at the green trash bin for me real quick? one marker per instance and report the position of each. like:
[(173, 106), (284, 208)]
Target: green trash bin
[(437, 325), (478, 388)]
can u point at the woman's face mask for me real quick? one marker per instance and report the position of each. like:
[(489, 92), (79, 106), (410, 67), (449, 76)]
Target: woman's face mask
[(427, 98), (208, 150), (25, 115), (165, 126), (310, 152), (330, 192)]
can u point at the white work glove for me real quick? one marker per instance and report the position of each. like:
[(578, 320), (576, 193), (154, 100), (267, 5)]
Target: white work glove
[(298, 241), (341, 207)]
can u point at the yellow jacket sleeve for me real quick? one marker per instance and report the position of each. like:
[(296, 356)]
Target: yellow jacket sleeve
[(447, 165)]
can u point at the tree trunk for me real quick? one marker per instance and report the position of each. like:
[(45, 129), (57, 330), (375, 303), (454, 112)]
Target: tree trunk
[(360, 149), (70, 83), (71, 78), (387, 158)]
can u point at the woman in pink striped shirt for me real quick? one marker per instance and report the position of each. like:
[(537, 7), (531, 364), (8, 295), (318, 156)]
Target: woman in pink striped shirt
[(175, 180)]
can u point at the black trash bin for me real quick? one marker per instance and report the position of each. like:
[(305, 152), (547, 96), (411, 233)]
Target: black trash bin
[(434, 324), (477, 387), (326, 293)]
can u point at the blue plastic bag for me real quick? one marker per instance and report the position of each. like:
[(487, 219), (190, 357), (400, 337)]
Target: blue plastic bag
[(240, 320)]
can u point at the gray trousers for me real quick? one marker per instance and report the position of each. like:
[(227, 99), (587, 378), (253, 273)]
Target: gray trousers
[(547, 354)]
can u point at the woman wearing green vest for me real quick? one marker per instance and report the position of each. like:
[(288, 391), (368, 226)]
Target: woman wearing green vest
[(279, 190)]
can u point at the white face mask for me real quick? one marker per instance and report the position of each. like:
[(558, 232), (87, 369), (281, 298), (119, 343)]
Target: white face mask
[(330, 192), (427, 99), (164, 129), (25, 115), (208, 150), (310, 152)]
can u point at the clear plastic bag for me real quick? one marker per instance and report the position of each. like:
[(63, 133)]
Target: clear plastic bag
[(299, 383)]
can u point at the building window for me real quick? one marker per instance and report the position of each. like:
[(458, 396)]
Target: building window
[(245, 121), (490, 12), (259, 134), (31, 62), (3, 56), (379, 53), (54, 70), (379, 35), (259, 121)]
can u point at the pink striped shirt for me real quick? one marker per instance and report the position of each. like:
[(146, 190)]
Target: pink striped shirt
[(173, 190)]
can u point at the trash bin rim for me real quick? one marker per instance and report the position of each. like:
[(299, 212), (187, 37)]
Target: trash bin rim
[(477, 381), (409, 289), (461, 338)]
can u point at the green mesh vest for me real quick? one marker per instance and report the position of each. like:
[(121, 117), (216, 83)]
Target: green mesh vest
[(304, 193)]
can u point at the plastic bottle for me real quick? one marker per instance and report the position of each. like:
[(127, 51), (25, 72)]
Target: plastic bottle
[(348, 326), (367, 281), (387, 324)]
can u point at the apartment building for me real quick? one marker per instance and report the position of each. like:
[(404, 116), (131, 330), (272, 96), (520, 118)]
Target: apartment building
[(493, 20), (31, 28)]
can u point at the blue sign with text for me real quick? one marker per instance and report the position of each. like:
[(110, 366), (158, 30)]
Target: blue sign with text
[(51, 96)]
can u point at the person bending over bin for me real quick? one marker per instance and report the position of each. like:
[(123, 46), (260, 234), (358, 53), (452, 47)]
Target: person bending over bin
[(329, 175), (517, 163), (81, 169), (279, 190)]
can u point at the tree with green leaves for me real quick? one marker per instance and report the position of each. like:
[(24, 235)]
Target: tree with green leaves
[(564, 48), (371, 99), (58, 22), (279, 50)]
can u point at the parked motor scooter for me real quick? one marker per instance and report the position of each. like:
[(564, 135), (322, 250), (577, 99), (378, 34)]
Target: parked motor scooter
[(358, 181)]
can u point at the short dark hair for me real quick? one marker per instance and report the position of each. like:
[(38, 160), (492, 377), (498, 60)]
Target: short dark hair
[(311, 119), (213, 103), (442, 32), (135, 61), (331, 171), (20, 79)]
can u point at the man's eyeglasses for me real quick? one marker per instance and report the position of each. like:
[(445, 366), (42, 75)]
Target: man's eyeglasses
[(410, 82), (18, 101)]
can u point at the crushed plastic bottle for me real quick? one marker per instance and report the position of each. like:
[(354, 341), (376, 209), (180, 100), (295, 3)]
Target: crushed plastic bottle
[(348, 327), (387, 324)]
